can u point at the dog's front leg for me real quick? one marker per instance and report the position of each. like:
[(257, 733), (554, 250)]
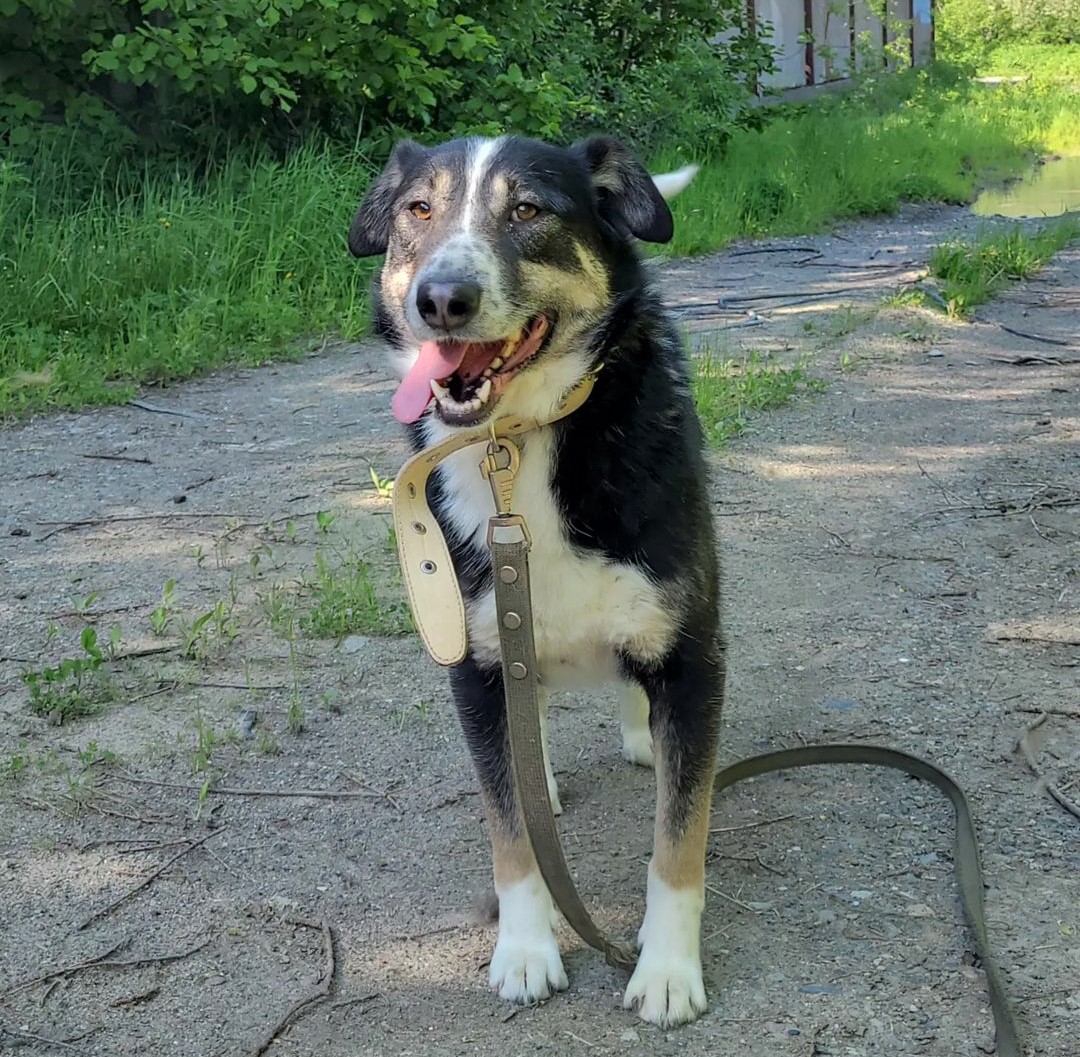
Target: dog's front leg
[(685, 698), (525, 966)]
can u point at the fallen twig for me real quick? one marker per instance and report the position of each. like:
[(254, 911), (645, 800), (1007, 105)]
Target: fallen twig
[(160, 409), (1068, 713), (1026, 361), (752, 825), (223, 790), (1033, 765), (104, 911), (774, 249), (117, 458), (102, 961), (17, 1033), (1036, 337), (56, 974), (320, 991)]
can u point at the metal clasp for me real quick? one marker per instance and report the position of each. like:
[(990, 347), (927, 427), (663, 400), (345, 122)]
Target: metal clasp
[(500, 466), (508, 525)]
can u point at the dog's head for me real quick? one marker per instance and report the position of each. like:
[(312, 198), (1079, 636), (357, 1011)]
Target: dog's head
[(499, 254)]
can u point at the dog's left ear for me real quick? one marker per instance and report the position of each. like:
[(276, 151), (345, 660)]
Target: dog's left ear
[(626, 193), (370, 230)]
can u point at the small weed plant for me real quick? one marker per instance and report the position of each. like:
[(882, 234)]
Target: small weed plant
[(971, 273), (728, 392), (344, 601), (76, 686)]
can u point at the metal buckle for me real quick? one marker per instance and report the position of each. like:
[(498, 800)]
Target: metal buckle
[(509, 522)]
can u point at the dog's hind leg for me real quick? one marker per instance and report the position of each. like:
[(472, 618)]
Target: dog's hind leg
[(685, 695), (637, 743), (526, 965)]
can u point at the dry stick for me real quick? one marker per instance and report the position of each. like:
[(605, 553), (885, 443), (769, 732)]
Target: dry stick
[(320, 991), (1069, 713), (1022, 744), (1036, 337), (117, 458), (221, 790), (15, 1033), (752, 825), (65, 971), (98, 914)]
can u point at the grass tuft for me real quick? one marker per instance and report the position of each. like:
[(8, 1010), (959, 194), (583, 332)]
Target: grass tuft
[(727, 392), (144, 276), (972, 272), (344, 602)]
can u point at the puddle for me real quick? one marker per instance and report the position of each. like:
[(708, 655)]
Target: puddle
[(1047, 191)]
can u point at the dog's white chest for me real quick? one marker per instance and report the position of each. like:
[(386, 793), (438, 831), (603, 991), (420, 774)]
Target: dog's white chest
[(585, 609)]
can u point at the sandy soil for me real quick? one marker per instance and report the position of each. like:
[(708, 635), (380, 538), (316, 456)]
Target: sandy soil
[(903, 567)]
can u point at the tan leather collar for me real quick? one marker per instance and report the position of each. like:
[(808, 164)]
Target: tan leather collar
[(430, 582)]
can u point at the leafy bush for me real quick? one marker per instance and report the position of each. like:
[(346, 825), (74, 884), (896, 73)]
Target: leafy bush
[(968, 30), (183, 73)]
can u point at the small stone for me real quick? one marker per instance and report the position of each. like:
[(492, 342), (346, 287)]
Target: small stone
[(630, 1036), (753, 905), (248, 718), (919, 910), (826, 917), (861, 894), (838, 704), (934, 353), (355, 643), (818, 989), (179, 498), (18, 530), (928, 859)]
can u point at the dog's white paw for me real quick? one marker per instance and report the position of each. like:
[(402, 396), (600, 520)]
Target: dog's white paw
[(637, 746), (526, 966), (666, 990), (525, 971)]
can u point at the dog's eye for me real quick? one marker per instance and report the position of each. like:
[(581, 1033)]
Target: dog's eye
[(525, 211), (420, 210)]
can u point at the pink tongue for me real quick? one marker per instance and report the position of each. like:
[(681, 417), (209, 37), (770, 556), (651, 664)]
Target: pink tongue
[(436, 360)]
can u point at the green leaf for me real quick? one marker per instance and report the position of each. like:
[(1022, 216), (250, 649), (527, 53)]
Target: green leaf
[(248, 83)]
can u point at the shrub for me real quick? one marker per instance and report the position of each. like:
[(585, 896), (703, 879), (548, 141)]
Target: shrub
[(177, 74)]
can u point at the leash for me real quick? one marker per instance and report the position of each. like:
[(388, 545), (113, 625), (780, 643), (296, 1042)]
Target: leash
[(439, 612)]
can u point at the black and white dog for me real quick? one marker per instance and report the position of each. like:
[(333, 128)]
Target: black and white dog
[(510, 273)]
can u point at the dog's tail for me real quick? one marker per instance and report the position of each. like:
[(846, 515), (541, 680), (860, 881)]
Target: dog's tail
[(669, 184)]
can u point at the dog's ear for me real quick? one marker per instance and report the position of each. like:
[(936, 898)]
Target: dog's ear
[(370, 229), (625, 192)]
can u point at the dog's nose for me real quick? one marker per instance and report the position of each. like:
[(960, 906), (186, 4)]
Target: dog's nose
[(448, 306)]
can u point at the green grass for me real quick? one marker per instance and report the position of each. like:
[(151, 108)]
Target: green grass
[(728, 392), (1042, 61), (972, 272), (922, 137), (111, 282), (115, 277), (344, 601)]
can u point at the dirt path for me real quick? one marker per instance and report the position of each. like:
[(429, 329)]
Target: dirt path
[(903, 567)]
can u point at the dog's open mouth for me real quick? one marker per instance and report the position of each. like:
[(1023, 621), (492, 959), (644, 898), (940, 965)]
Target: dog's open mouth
[(465, 378)]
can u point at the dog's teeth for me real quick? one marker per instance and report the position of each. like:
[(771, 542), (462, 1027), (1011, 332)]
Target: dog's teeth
[(484, 392), (486, 373), (497, 363), (438, 391)]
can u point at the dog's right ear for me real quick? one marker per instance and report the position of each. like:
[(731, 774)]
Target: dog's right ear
[(370, 229)]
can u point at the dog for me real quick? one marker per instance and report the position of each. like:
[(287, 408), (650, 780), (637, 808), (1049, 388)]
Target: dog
[(510, 273)]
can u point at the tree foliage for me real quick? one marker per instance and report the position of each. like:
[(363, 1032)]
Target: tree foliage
[(183, 73), (968, 30)]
